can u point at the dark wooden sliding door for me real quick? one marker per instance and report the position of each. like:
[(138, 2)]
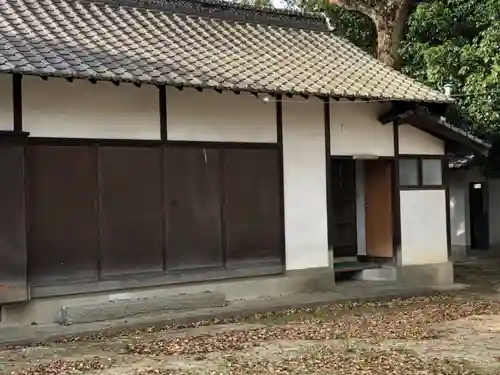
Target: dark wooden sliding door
[(252, 223), (131, 212), (343, 227), (193, 195), (13, 252), (63, 231), (101, 211)]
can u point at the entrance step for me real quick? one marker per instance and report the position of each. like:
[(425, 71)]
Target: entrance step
[(382, 273), (353, 266)]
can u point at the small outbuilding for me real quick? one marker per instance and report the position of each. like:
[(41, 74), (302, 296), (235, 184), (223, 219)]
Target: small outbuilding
[(152, 148)]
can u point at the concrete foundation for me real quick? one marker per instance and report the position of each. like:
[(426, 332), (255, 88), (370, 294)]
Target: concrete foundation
[(88, 307), (76, 314), (427, 274)]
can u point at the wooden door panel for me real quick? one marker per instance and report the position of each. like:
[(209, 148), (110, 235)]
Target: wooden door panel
[(130, 184), (252, 220), (343, 227), (193, 198), (378, 195), (62, 213), (13, 252)]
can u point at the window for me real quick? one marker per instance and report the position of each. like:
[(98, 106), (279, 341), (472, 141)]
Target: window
[(408, 172), (421, 172), (432, 170)]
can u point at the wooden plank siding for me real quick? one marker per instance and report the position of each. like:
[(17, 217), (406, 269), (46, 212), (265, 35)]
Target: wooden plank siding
[(63, 230), (194, 229), (13, 252), (130, 206), (100, 211), (251, 205)]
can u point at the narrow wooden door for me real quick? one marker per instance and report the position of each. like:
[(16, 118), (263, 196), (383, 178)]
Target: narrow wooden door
[(343, 233), (63, 217), (378, 199), (13, 253), (252, 221), (131, 212), (193, 204)]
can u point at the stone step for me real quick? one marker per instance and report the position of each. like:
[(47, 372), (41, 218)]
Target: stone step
[(382, 273), (123, 308)]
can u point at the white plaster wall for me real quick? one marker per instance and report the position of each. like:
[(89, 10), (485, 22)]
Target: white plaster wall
[(58, 108), (494, 212), (6, 110), (355, 129), (360, 206), (226, 117), (416, 141), (305, 185), (423, 227)]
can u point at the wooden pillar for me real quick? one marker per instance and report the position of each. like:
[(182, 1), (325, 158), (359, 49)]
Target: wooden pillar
[(396, 198)]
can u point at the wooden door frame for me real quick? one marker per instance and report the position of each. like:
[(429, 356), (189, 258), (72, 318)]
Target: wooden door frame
[(396, 211)]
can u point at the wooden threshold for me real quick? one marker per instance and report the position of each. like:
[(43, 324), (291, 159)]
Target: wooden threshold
[(354, 266)]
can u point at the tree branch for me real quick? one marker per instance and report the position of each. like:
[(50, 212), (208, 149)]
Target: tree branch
[(362, 6), (389, 17)]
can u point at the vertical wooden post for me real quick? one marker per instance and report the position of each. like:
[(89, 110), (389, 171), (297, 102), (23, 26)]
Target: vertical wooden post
[(326, 110), (279, 138), (396, 198), (163, 112)]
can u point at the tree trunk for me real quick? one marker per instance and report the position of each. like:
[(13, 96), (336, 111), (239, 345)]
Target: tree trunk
[(389, 17)]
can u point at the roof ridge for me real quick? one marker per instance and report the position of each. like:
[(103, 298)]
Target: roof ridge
[(229, 10)]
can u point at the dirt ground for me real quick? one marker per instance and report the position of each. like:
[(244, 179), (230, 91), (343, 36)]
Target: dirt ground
[(452, 334)]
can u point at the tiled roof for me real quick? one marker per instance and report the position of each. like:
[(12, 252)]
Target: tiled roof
[(199, 44)]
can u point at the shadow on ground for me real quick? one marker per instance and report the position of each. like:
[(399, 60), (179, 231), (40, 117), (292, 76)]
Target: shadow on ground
[(482, 273), (453, 334)]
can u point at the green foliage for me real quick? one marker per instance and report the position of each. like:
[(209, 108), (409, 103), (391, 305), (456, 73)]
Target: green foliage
[(458, 42), (354, 26), (446, 41)]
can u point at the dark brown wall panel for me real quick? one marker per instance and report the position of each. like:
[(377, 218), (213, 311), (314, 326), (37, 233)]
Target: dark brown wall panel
[(131, 210), (193, 208), (252, 220), (13, 253), (63, 217)]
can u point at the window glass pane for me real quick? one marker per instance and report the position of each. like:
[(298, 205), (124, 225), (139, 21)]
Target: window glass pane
[(432, 172), (408, 172)]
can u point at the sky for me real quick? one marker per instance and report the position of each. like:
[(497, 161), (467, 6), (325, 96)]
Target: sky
[(278, 3)]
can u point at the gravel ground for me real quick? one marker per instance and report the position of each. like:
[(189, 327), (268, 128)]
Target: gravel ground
[(452, 334)]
